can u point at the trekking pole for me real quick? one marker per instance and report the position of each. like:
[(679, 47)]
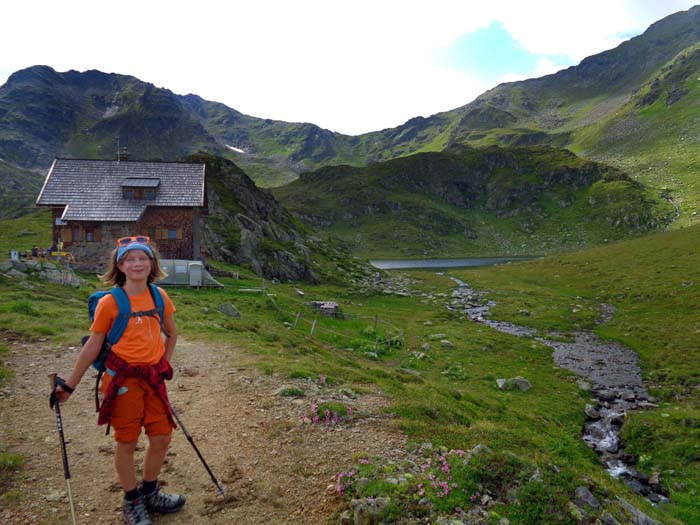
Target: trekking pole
[(220, 489), (53, 402)]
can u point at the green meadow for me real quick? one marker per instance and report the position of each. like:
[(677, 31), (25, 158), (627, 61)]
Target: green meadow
[(448, 396)]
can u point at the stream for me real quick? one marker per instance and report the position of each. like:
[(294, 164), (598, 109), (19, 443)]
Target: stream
[(614, 373)]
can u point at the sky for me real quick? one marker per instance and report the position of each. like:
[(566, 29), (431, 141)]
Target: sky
[(351, 66)]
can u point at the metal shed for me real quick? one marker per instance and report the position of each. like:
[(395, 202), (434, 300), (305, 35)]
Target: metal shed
[(182, 272)]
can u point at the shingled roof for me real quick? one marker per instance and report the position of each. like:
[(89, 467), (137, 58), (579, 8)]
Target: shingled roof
[(91, 190)]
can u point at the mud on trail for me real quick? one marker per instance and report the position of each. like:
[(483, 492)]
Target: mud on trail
[(277, 469)]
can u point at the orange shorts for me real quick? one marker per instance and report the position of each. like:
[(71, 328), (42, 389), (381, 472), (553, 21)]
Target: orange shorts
[(137, 406)]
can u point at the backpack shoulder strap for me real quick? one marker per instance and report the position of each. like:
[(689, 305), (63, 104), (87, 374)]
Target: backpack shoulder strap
[(122, 319), (158, 301)]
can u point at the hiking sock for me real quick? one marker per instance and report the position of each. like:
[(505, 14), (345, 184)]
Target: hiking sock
[(147, 487), (131, 495)]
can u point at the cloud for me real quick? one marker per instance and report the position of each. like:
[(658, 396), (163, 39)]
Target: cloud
[(350, 66)]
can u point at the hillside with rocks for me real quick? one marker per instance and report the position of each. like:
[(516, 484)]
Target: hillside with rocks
[(496, 201), (246, 226)]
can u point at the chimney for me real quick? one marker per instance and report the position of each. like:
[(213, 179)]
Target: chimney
[(123, 154)]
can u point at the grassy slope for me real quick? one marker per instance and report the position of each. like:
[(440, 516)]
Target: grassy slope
[(413, 206), (654, 283), (453, 401), (22, 233), (656, 143), (18, 190)]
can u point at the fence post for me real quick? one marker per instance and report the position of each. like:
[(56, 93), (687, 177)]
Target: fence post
[(313, 327), (296, 321)]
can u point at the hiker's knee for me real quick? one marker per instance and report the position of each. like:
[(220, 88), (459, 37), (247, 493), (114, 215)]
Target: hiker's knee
[(124, 454), (159, 442), (125, 447)]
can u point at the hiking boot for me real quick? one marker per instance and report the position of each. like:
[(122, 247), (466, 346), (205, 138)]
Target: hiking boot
[(162, 503), (135, 512)]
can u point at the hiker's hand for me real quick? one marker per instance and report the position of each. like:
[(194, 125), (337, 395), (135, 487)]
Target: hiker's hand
[(61, 395), (61, 391)]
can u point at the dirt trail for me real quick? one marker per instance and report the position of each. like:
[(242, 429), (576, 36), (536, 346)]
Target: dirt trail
[(277, 470)]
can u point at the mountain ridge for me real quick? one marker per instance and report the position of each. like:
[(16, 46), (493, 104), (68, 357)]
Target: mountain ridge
[(540, 110)]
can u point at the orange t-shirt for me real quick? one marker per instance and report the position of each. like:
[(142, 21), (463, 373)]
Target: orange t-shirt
[(141, 343)]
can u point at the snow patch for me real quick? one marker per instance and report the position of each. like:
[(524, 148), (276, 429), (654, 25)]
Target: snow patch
[(237, 150)]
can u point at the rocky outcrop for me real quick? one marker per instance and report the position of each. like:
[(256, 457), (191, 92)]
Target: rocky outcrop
[(247, 226), (45, 270)]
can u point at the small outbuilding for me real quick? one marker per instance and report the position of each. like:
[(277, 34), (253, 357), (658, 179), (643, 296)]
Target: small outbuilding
[(329, 308), (182, 272)]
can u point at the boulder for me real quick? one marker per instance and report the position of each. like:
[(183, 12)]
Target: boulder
[(230, 310), (584, 498), (514, 383), (591, 412), (366, 511), (638, 517)]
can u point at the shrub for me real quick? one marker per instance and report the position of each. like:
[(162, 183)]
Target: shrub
[(292, 391)]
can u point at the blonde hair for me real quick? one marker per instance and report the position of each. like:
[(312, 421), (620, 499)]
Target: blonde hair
[(115, 277)]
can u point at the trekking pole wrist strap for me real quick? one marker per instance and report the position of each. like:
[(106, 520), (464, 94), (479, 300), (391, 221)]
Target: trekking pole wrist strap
[(62, 383)]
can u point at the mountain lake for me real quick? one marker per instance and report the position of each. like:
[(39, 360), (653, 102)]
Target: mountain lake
[(465, 262)]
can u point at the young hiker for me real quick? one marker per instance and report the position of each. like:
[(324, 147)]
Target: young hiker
[(133, 385)]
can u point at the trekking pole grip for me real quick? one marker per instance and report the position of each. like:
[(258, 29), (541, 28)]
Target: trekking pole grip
[(52, 383), (55, 381)]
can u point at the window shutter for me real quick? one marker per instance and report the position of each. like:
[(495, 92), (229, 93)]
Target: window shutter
[(179, 233), (66, 235), (98, 235)]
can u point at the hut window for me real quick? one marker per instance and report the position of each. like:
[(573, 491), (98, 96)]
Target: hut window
[(169, 233)]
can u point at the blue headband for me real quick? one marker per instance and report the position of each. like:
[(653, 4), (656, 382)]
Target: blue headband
[(121, 251)]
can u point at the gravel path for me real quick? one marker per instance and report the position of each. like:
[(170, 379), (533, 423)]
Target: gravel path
[(276, 468)]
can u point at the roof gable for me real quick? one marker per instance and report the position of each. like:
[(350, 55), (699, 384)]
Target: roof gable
[(91, 190)]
